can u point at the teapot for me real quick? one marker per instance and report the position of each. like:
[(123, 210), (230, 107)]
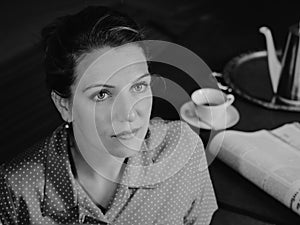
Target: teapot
[(285, 75)]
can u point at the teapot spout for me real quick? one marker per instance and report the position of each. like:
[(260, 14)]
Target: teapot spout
[(273, 62)]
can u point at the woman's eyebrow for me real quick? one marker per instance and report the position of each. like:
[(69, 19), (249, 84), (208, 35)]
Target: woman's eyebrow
[(98, 85), (111, 86), (141, 77)]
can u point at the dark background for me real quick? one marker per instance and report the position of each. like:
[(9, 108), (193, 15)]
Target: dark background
[(215, 30)]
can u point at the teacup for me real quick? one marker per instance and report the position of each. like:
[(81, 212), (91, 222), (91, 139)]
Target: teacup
[(211, 105)]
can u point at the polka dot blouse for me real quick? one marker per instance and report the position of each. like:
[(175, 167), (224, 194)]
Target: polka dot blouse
[(166, 183)]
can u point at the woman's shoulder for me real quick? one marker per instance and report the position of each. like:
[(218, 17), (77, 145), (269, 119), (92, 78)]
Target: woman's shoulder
[(30, 163), (173, 146), (24, 169), (174, 137), (25, 159), (174, 130)]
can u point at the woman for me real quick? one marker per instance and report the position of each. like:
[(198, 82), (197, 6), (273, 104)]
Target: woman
[(108, 163)]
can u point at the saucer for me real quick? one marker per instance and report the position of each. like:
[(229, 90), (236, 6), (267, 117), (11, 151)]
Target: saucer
[(188, 114)]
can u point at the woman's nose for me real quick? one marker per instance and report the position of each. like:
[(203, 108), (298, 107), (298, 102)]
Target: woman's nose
[(125, 109), (131, 115)]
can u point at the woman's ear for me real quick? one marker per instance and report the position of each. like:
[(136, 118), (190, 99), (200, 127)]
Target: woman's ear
[(63, 105)]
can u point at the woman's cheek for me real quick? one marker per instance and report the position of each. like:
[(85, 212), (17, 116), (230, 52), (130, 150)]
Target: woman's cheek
[(84, 111), (103, 119), (145, 104)]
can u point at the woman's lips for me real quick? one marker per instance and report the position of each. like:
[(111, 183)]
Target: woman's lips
[(126, 135)]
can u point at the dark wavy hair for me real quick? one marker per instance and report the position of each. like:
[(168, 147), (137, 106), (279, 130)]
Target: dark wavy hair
[(70, 36)]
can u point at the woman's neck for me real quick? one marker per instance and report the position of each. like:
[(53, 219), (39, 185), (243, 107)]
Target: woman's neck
[(100, 189), (96, 165)]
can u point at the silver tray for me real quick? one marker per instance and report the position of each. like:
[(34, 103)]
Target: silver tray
[(248, 76)]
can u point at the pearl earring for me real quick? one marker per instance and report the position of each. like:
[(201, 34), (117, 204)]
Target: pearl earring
[(67, 125)]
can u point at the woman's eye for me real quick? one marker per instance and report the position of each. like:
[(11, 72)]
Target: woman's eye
[(140, 87), (102, 95)]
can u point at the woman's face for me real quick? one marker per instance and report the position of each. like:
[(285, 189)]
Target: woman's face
[(112, 100)]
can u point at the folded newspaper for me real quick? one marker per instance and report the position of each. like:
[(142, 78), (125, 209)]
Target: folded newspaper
[(268, 158)]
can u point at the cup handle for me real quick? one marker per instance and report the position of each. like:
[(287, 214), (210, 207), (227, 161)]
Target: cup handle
[(221, 82), (229, 99)]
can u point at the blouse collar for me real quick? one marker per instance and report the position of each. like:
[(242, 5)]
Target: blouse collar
[(148, 169)]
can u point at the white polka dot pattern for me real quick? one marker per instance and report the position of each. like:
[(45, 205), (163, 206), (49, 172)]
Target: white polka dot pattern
[(166, 183)]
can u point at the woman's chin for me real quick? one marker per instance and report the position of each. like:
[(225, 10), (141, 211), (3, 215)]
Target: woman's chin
[(125, 148), (124, 152)]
